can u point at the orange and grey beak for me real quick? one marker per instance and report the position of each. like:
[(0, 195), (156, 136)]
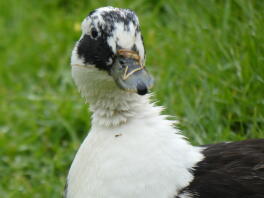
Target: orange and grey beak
[(129, 74)]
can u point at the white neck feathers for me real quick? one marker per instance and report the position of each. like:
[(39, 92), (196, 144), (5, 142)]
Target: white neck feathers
[(111, 107)]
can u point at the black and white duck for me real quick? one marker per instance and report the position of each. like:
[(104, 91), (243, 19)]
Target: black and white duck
[(132, 150)]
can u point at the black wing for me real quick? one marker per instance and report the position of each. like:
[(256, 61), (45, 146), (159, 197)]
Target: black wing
[(230, 170)]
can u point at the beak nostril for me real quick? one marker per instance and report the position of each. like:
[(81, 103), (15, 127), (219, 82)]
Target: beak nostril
[(121, 62)]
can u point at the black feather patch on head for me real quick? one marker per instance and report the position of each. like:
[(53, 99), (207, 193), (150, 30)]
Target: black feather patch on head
[(95, 51)]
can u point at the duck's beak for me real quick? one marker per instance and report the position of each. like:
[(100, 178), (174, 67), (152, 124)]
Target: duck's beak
[(129, 74)]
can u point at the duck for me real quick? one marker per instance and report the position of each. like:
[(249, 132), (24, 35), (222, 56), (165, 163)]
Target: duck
[(132, 150)]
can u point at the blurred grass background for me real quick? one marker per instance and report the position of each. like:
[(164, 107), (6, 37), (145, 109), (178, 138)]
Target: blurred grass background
[(207, 57)]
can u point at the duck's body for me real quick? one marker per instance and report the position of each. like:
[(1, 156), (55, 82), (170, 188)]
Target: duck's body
[(132, 150)]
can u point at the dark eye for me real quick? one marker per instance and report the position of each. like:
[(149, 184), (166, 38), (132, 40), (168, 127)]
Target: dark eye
[(94, 33)]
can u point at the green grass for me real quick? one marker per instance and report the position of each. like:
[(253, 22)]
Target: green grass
[(207, 57)]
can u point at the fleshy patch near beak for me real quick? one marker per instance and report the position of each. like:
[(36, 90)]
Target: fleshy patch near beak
[(129, 74)]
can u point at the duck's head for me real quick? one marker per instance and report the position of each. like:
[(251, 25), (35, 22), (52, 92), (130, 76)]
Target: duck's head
[(111, 48)]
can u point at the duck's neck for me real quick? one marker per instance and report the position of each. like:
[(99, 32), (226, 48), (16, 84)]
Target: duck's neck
[(117, 108), (111, 106)]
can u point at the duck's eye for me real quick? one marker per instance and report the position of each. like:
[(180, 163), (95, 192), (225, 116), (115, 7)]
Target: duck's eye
[(94, 33)]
